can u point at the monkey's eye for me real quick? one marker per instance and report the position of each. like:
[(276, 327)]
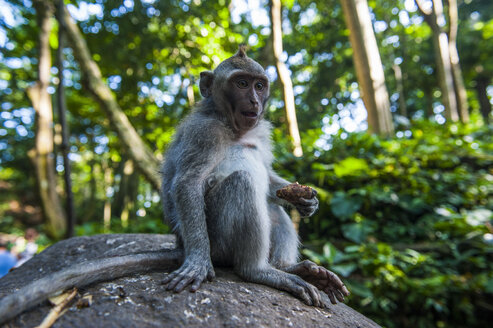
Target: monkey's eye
[(243, 84), (259, 86)]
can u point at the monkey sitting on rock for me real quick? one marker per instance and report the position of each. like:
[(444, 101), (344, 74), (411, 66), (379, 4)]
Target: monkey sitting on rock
[(219, 192), (221, 196)]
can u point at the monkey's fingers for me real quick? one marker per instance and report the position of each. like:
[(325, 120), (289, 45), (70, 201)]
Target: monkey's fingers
[(306, 202), (344, 291), (196, 284), (211, 275), (339, 295), (336, 282), (306, 207), (325, 300), (302, 293), (306, 291), (184, 282), (177, 277), (332, 297), (315, 295), (296, 286), (170, 276), (334, 294)]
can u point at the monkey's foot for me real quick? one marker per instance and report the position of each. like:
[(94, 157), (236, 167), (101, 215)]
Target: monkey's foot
[(190, 273), (288, 282), (320, 277), (308, 293)]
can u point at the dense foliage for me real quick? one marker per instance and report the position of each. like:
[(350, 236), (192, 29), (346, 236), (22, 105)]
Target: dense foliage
[(407, 221)]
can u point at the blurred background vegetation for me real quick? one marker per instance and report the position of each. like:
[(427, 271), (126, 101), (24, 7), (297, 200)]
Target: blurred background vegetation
[(406, 208)]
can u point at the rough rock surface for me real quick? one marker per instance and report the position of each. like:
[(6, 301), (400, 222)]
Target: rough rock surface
[(141, 300)]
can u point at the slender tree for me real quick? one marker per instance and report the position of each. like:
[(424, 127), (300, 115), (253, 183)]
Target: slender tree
[(42, 155), (482, 83), (368, 64), (284, 77), (460, 89), (435, 18), (62, 109), (108, 183), (125, 198)]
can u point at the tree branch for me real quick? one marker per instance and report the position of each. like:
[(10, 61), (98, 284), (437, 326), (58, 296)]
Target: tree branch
[(142, 155)]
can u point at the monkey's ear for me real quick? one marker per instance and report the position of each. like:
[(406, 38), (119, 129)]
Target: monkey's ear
[(205, 84)]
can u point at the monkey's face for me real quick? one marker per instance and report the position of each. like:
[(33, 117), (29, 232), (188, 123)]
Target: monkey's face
[(239, 90), (247, 94)]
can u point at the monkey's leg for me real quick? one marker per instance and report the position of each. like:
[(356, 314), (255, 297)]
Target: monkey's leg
[(284, 240), (284, 255), (239, 230)]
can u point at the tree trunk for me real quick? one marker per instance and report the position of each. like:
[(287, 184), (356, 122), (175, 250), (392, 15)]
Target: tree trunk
[(108, 183), (142, 155), (368, 66), (429, 102), (484, 102), (64, 147), (42, 155), (283, 72), (435, 18), (124, 200), (459, 87)]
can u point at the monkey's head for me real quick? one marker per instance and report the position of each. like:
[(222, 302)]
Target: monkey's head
[(239, 88)]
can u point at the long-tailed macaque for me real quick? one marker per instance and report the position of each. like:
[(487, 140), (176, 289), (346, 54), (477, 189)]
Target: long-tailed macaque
[(219, 191)]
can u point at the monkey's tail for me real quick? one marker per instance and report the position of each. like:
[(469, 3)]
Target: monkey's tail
[(83, 274)]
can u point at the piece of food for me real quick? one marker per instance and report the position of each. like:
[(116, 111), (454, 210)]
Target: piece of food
[(295, 191)]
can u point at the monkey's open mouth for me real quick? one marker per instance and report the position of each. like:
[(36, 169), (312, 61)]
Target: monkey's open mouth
[(249, 114)]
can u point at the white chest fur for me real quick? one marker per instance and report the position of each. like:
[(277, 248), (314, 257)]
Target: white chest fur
[(250, 154)]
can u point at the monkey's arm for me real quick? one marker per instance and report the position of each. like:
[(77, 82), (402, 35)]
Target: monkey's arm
[(190, 209), (83, 274), (200, 152), (306, 207)]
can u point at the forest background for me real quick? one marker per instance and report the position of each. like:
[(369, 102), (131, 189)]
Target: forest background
[(399, 146)]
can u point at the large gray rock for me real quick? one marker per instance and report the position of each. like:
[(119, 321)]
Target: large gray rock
[(141, 301)]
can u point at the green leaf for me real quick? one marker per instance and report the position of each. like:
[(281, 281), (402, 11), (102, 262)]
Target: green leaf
[(344, 206), (330, 252), (344, 269), (357, 232), (315, 257), (359, 289), (489, 286), (350, 166)]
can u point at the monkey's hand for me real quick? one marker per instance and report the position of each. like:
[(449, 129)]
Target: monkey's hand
[(306, 207), (193, 271), (302, 197), (320, 277)]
